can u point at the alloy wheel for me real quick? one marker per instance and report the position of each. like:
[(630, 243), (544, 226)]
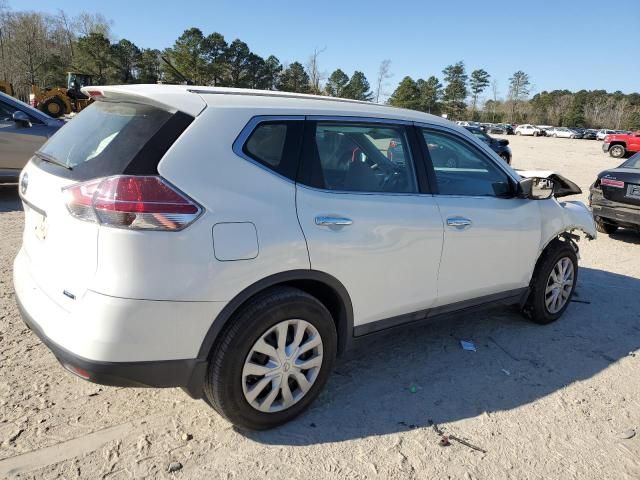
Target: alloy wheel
[(282, 366), (559, 285)]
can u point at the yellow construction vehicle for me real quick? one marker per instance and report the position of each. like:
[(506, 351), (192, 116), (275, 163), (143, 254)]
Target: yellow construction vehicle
[(7, 87), (59, 101)]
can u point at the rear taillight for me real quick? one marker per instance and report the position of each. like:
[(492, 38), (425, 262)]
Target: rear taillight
[(140, 203), (606, 139)]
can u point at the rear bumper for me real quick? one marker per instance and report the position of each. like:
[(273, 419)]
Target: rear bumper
[(188, 374), (615, 212), (119, 341), (605, 147)]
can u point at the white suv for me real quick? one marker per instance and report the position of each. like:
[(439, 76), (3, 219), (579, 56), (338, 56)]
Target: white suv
[(527, 130), (233, 242)]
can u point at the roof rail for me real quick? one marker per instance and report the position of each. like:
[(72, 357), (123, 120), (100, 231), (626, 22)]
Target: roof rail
[(278, 94)]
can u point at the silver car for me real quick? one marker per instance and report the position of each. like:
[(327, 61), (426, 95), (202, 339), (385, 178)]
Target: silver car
[(23, 130)]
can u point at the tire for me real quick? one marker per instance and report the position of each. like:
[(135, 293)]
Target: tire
[(537, 308), (517, 133), (555, 135), (535, 134), (607, 228), (52, 106), (228, 386), (617, 151)]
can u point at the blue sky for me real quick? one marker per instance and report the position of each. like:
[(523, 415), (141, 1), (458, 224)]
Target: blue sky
[(560, 44)]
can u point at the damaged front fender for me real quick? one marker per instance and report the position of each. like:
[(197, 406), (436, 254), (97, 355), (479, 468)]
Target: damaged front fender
[(579, 217)]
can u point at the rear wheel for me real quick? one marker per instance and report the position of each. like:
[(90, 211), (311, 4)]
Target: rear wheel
[(617, 151), (273, 360), (604, 227), (553, 283), (52, 106)]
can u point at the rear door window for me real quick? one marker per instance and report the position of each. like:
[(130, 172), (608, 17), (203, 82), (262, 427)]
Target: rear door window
[(358, 157), (110, 138)]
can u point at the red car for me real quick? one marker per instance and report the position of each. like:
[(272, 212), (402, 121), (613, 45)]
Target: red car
[(619, 144)]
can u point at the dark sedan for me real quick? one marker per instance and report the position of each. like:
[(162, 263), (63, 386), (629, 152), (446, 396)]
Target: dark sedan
[(615, 197), (500, 146), (590, 134)]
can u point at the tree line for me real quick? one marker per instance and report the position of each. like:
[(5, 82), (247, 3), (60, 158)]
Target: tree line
[(38, 49)]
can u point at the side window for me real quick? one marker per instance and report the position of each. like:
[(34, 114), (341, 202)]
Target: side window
[(461, 169), (276, 145), (358, 157), (6, 111)]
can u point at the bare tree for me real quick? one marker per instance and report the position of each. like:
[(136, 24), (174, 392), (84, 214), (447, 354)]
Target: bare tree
[(383, 75), (313, 70)]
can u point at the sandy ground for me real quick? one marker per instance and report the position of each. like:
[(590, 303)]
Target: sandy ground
[(543, 402)]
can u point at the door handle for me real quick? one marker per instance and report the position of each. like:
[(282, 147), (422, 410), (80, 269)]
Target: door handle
[(458, 222), (324, 221)]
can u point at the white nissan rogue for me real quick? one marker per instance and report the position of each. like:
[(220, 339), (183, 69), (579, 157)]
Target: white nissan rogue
[(233, 242)]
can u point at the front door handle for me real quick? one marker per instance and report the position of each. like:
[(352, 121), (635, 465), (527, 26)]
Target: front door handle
[(325, 221), (458, 222)]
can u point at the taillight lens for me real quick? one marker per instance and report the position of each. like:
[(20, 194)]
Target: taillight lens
[(139, 203)]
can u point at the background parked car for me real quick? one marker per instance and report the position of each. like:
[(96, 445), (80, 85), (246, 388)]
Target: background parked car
[(508, 128), (590, 134), (500, 146), (615, 197), (564, 132), (603, 133), (527, 129), (497, 129), (23, 130)]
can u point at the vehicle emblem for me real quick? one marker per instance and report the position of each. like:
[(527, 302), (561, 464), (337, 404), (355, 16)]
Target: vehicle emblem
[(24, 183)]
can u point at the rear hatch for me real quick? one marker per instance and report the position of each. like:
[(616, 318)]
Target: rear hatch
[(621, 185), (121, 137)]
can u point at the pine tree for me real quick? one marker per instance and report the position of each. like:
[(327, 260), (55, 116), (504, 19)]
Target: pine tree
[(455, 91), (407, 95)]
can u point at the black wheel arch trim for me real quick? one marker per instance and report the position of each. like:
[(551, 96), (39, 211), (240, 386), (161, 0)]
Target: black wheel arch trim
[(344, 322)]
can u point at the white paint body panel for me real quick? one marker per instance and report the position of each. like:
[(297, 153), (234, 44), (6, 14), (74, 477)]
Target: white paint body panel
[(496, 253), (110, 329), (387, 259), (235, 241)]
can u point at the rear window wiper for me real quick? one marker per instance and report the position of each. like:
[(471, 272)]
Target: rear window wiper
[(50, 159)]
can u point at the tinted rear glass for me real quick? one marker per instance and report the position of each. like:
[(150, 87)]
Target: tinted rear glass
[(110, 138), (105, 132)]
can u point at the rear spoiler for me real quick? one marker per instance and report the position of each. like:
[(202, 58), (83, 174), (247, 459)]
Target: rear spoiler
[(167, 97), (563, 187)]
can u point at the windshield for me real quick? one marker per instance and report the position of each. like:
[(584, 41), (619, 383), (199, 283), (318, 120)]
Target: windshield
[(105, 132), (633, 162)]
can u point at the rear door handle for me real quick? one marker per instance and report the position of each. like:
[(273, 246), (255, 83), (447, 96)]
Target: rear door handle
[(325, 221), (458, 222)]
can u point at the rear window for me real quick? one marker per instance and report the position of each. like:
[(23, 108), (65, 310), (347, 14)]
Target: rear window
[(110, 138)]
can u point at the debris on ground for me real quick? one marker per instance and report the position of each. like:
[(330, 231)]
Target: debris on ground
[(627, 434), (445, 439), (174, 467), (506, 372), (468, 345), (186, 437)]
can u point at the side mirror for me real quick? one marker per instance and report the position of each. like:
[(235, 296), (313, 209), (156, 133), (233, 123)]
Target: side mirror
[(536, 188), (21, 118)]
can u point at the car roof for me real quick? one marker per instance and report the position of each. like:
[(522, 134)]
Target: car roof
[(193, 99)]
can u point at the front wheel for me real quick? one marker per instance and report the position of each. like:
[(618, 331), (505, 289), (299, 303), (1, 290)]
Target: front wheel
[(553, 283), (617, 151), (273, 360)]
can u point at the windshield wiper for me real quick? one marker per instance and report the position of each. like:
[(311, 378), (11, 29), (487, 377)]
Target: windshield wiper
[(50, 159)]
